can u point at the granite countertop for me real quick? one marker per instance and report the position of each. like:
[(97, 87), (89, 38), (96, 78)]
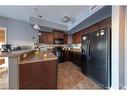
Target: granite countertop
[(74, 50), (14, 53), (42, 56)]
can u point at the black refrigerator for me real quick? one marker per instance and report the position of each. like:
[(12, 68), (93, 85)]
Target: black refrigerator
[(96, 56)]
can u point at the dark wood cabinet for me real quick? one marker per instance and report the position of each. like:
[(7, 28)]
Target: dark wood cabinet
[(66, 55), (76, 37), (58, 34), (94, 27), (105, 23), (65, 39), (73, 56), (50, 38), (41, 75), (46, 37)]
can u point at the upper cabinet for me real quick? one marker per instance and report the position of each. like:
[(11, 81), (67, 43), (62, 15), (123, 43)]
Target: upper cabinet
[(76, 37), (105, 23), (94, 27), (58, 34), (48, 37), (65, 39)]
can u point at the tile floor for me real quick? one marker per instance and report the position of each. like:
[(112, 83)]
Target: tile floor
[(70, 77)]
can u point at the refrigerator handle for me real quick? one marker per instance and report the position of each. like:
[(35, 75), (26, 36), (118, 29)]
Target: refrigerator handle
[(89, 49)]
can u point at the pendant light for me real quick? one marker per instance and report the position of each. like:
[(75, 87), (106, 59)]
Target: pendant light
[(36, 26)]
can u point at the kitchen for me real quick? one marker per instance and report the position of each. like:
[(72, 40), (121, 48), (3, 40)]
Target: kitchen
[(43, 54)]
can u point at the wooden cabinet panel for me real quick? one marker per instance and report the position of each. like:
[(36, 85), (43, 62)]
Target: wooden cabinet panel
[(41, 75), (61, 35), (2, 36), (66, 55), (46, 38), (73, 56), (49, 38), (86, 30), (76, 37), (65, 39), (58, 34), (43, 37), (2, 61), (94, 27), (105, 23), (50, 74)]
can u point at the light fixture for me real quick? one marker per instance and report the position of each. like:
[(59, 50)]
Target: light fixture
[(67, 19), (36, 26)]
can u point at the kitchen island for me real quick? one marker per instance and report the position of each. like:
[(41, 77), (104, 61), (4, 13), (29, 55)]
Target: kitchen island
[(30, 70)]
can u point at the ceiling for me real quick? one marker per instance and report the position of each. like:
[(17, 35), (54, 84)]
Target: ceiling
[(50, 14)]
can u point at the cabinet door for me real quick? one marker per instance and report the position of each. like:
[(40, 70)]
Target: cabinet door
[(56, 34), (94, 27), (65, 39), (2, 36), (66, 55), (49, 38), (61, 35), (74, 38), (105, 23), (40, 75), (50, 74), (43, 37), (31, 76)]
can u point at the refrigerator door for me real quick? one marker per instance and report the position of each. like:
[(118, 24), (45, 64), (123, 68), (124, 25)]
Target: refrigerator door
[(85, 52), (85, 44), (97, 66)]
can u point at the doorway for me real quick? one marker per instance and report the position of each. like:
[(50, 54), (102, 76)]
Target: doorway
[(3, 61)]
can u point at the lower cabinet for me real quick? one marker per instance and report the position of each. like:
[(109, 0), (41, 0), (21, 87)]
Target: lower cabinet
[(40, 75), (73, 56)]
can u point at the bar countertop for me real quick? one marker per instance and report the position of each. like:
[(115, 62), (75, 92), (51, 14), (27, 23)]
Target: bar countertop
[(40, 57), (14, 53)]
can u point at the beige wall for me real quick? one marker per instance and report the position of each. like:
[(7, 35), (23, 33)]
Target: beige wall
[(118, 32), (126, 47)]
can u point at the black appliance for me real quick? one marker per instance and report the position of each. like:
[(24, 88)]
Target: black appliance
[(6, 47), (96, 56), (58, 41), (59, 53)]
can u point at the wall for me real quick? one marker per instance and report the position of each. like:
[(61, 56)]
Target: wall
[(121, 47), (18, 32), (102, 14), (118, 31), (126, 47)]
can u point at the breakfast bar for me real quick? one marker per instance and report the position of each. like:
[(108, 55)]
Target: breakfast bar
[(22, 63)]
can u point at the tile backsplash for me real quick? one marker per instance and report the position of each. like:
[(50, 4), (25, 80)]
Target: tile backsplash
[(51, 46)]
